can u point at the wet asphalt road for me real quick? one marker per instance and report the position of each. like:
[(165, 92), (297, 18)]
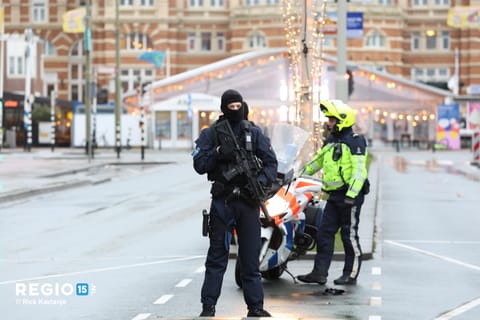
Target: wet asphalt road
[(135, 240)]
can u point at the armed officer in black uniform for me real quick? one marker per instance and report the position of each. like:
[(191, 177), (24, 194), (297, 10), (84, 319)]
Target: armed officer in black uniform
[(233, 204)]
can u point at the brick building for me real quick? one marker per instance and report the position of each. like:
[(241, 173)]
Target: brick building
[(406, 38)]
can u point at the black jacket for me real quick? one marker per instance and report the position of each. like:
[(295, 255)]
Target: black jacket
[(206, 159)]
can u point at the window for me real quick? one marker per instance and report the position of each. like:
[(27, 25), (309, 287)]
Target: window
[(375, 40), (385, 2), (443, 73), (220, 41), (191, 39), (76, 65), (48, 48), (328, 41), (432, 74), (206, 41), (446, 40), (147, 3), (415, 40), (217, 3), (196, 3), (251, 2), (15, 65), (442, 3), (272, 1), (16, 52), (417, 3), (184, 126), (256, 40), (418, 73), (137, 41), (126, 3), (431, 41), (130, 78), (39, 11), (162, 125)]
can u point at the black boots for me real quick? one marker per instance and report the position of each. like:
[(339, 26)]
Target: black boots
[(313, 277), (345, 280), (258, 313), (207, 311)]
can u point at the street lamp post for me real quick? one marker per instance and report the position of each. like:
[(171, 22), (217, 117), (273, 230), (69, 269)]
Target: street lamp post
[(341, 88), (53, 95), (88, 63), (28, 98), (2, 32), (118, 132)]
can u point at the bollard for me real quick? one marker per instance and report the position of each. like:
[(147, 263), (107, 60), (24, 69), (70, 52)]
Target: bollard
[(476, 148)]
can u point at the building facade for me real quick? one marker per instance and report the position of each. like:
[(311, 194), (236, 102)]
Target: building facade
[(407, 38)]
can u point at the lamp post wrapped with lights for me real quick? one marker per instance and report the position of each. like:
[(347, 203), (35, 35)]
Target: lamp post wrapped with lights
[(303, 26)]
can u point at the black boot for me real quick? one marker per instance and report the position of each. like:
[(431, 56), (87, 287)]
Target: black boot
[(345, 280), (313, 277), (258, 313), (207, 311)]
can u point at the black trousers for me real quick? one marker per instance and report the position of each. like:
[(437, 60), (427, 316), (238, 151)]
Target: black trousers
[(247, 225), (338, 215)]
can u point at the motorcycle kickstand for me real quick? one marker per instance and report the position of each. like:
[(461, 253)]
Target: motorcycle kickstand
[(291, 275)]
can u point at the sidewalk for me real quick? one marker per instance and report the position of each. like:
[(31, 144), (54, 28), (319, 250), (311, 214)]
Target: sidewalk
[(23, 174)]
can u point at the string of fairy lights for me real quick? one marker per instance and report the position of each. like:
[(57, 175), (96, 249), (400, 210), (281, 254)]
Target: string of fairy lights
[(304, 24)]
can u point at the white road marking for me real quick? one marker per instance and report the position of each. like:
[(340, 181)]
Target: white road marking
[(375, 301), (438, 241), (431, 254), (183, 283), (374, 317), (457, 311), (120, 267), (163, 299), (200, 270), (376, 285), (376, 271), (142, 316)]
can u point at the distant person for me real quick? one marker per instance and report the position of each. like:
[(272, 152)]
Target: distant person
[(343, 160), (233, 205)]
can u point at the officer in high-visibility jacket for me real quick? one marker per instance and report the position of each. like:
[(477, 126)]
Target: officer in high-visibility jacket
[(343, 160)]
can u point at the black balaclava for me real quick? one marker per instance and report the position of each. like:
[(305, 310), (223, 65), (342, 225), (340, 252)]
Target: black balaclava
[(228, 97)]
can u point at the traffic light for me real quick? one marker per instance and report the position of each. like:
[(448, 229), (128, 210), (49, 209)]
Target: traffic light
[(350, 82)]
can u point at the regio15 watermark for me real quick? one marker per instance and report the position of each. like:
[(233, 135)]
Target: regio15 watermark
[(50, 293)]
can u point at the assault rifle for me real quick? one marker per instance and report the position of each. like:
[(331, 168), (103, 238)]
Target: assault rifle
[(250, 166)]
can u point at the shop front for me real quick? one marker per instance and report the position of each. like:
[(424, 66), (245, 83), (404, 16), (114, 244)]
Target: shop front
[(178, 121)]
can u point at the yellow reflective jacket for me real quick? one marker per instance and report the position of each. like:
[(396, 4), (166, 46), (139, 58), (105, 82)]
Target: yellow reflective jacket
[(343, 160)]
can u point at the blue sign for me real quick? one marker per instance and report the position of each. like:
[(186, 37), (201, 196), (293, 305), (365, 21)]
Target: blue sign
[(354, 25), (81, 289)]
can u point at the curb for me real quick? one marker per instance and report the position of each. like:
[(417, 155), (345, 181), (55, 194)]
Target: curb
[(43, 190)]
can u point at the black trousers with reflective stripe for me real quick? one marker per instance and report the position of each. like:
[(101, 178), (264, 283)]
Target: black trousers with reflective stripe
[(247, 226), (338, 215)]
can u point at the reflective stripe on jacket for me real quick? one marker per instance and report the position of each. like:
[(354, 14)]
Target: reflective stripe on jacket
[(349, 172)]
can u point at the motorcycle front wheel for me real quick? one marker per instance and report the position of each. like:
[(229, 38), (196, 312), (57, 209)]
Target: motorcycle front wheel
[(273, 274), (238, 273)]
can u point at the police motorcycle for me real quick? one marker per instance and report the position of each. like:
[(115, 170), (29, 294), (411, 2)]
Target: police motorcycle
[(293, 214)]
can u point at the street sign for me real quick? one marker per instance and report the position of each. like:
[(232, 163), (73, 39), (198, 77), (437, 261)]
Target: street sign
[(354, 25)]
